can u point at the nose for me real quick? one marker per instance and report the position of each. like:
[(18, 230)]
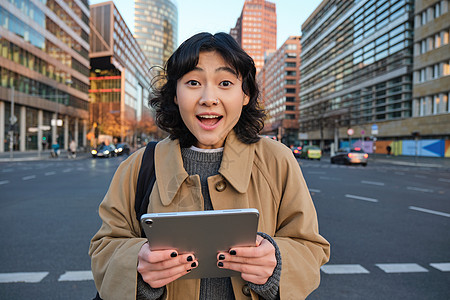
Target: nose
[(209, 101)]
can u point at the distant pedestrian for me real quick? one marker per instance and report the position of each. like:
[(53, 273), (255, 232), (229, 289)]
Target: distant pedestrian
[(73, 149), (55, 148), (388, 149)]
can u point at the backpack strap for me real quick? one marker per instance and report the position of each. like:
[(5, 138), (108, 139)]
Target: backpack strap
[(145, 182)]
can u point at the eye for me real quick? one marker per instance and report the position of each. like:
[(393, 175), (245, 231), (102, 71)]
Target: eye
[(226, 83), (193, 83)]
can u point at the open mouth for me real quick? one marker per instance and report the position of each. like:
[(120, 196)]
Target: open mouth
[(209, 120)]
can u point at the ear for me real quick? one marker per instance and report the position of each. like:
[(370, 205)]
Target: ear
[(175, 100), (246, 100)]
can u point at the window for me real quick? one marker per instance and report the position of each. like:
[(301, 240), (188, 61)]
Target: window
[(446, 69), (445, 37), (437, 40), (437, 10), (423, 46), (424, 17)]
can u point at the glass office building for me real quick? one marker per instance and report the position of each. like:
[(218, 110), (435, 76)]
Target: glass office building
[(356, 71), (156, 29), (120, 78), (44, 66)]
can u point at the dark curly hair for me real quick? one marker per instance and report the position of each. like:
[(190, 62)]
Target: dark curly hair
[(184, 60)]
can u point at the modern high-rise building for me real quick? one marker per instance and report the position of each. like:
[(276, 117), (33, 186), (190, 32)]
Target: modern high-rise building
[(431, 90), (279, 84), (356, 71), (44, 66), (156, 29), (256, 29), (119, 77)]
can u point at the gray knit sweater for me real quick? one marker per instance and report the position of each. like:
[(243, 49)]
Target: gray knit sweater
[(207, 164)]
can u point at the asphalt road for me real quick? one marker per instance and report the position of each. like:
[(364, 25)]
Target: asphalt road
[(388, 226)]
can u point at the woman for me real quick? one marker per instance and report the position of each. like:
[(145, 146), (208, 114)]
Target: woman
[(212, 159)]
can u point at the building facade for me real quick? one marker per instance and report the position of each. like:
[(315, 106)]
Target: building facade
[(357, 73), (256, 29), (156, 29), (279, 84), (431, 61), (119, 77), (44, 66)]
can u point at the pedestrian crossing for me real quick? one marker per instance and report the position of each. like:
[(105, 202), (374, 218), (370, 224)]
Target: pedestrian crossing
[(329, 269)]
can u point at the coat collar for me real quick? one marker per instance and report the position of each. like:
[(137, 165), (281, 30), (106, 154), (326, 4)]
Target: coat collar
[(236, 166)]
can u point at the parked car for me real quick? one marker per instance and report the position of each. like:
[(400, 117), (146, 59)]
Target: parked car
[(296, 151), (122, 148), (350, 156), (311, 152), (104, 151)]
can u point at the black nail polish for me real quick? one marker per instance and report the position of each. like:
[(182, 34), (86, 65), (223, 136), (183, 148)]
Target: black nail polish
[(221, 257), (189, 258), (188, 270), (232, 252), (173, 254), (194, 264), (220, 264)]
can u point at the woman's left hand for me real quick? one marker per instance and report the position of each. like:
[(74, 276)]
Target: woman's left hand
[(256, 264)]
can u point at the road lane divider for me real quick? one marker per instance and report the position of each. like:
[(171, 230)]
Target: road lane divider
[(402, 268), (429, 211), (27, 277), (50, 173), (361, 198), (372, 182), (413, 188), (29, 177), (4, 182), (314, 191)]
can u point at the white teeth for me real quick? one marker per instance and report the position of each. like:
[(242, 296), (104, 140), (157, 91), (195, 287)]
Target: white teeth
[(209, 117)]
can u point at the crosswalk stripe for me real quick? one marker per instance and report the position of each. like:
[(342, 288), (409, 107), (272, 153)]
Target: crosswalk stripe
[(76, 276), (414, 188), (314, 190), (4, 182), (29, 177), (344, 269), (373, 182), (29, 277), (444, 267), (401, 268)]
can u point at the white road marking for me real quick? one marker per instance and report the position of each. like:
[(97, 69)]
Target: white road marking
[(413, 188), (67, 170), (434, 212), (444, 267), (401, 268), (444, 179), (329, 178), (4, 182), (344, 269), (7, 170), (29, 277), (314, 190), (373, 182), (76, 276), (29, 177), (361, 198), (317, 172), (50, 173), (420, 176)]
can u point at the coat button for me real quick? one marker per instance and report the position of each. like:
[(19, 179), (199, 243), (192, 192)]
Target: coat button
[(246, 290), (221, 185)]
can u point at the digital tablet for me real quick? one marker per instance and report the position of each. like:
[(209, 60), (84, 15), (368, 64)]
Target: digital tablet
[(203, 233)]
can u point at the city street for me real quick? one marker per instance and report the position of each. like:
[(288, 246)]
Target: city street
[(388, 226)]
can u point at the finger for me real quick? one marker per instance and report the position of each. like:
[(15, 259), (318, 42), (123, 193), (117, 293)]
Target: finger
[(245, 268), (162, 282), (259, 239), (159, 255), (166, 274), (265, 248), (185, 259)]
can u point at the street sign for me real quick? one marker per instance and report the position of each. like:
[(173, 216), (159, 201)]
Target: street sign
[(350, 131), (374, 129), (363, 132), (12, 120)]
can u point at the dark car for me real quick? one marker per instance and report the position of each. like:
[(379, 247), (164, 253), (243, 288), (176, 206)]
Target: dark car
[(104, 151), (123, 148), (296, 150), (350, 156)]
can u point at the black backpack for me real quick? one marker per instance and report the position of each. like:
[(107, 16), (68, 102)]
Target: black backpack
[(145, 182)]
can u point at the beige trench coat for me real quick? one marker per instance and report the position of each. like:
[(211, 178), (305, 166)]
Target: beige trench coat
[(264, 175)]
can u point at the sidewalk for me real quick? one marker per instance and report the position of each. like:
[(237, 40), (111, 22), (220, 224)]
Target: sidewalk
[(36, 155)]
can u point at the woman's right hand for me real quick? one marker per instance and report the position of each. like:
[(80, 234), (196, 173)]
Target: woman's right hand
[(161, 267)]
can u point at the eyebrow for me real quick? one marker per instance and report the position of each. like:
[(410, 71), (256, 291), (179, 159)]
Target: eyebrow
[(226, 69)]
